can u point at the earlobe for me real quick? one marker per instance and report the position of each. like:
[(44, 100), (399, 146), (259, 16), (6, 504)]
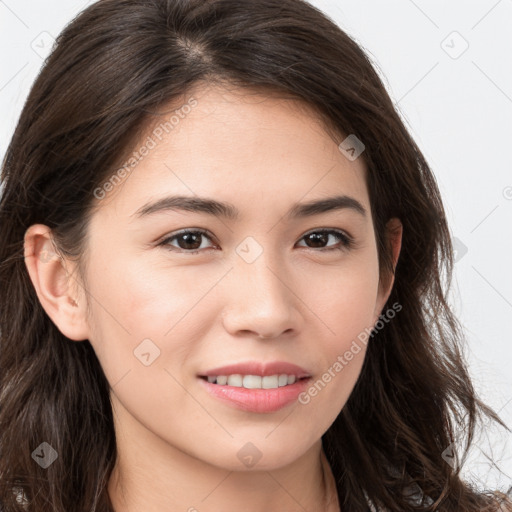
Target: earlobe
[(56, 289)]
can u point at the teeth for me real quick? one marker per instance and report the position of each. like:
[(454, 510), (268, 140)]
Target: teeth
[(235, 380), (253, 381)]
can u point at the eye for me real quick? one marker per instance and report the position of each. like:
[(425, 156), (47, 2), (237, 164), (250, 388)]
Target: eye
[(321, 236), (189, 241)]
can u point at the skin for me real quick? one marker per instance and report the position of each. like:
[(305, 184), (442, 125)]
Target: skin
[(177, 444)]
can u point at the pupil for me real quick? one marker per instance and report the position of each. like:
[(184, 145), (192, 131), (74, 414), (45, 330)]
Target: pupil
[(318, 237), (187, 237)]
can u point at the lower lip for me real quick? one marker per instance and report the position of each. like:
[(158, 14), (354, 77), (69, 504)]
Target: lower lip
[(257, 400)]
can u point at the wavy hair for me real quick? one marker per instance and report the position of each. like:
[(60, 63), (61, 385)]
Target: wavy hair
[(112, 69)]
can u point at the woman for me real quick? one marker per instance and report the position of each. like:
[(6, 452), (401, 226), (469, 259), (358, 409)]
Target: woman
[(222, 276)]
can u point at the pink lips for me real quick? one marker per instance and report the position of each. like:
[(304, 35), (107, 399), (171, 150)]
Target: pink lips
[(257, 400), (255, 368)]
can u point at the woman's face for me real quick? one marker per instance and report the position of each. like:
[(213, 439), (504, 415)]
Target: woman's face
[(261, 286)]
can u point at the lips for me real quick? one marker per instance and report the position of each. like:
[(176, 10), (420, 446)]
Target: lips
[(257, 368), (256, 400)]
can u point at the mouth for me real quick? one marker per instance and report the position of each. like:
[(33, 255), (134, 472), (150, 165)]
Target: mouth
[(238, 380), (256, 387)]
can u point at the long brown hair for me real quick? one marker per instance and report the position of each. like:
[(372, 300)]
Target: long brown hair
[(112, 68)]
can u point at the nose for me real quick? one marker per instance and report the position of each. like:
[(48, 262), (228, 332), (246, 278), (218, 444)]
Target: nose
[(261, 301)]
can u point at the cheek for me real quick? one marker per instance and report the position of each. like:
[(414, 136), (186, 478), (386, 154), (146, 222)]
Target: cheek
[(142, 338), (343, 357), (141, 309), (346, 299), (327, 394), (142, 298), (346, 305), (162, 296)]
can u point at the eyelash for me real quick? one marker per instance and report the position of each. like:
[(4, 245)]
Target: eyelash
[(346, 241)]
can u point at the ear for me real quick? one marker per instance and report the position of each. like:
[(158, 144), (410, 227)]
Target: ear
[(58, 291), (394, 230)]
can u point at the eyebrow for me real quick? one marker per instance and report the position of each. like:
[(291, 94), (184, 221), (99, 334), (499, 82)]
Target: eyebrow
[(230, 212)]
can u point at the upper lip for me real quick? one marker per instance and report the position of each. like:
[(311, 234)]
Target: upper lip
[(258, 368)]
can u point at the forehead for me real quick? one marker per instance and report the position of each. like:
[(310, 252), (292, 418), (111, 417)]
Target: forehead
[(242, 146)]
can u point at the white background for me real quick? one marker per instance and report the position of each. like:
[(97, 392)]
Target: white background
[(456, 102)]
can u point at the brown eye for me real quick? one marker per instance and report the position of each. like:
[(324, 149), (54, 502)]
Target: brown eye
[(317, 239), (191, 241), (187, 241)]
